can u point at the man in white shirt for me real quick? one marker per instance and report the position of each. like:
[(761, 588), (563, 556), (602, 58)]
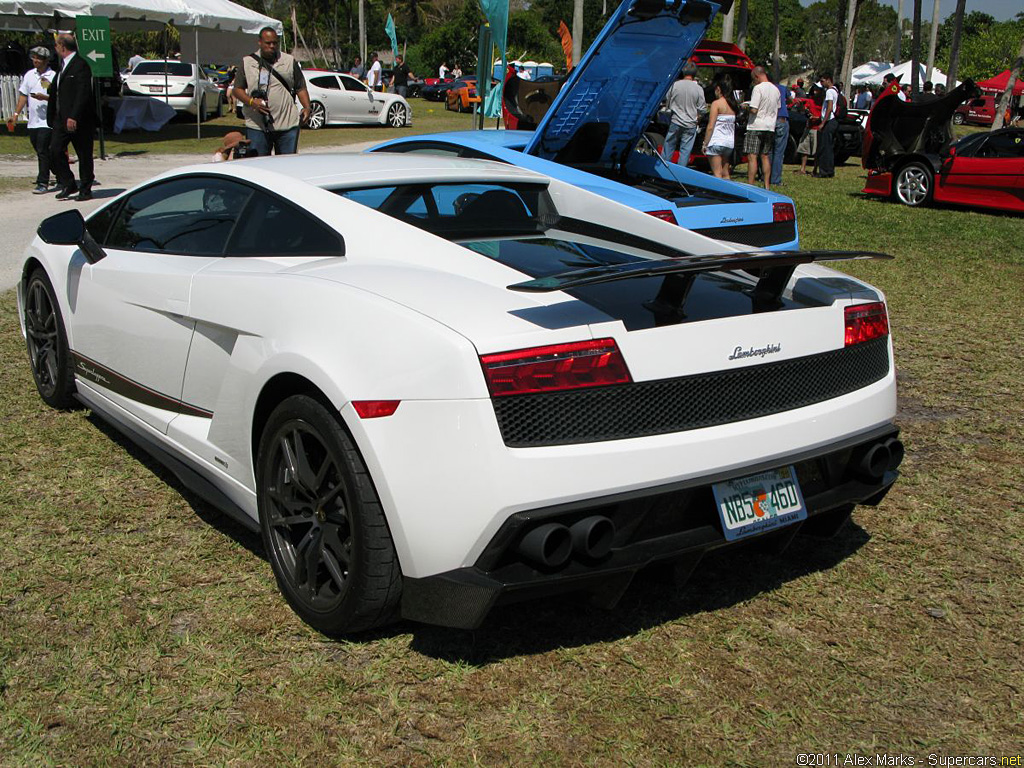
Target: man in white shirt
[(824, 166), (33, 93), (759, 140), (686, 103), (442, 71), (134, 61), (374, 76)]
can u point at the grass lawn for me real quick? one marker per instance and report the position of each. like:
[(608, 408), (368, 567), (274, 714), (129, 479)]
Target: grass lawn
[(179, 136), (138, 626)]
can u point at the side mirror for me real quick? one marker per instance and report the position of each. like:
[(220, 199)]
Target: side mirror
[(68, 228)]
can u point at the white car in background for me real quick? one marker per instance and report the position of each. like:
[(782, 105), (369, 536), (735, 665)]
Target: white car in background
[(339, 99), (437, 384), (178, 83)]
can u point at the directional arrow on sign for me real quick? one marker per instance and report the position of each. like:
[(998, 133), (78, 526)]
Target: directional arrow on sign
[(94, 55)]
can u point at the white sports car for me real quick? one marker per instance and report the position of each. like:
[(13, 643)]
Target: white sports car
[(339, 99), (439, 384)]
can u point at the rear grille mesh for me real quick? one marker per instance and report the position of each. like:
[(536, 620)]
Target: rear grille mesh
[(689, 402), (757, 235)]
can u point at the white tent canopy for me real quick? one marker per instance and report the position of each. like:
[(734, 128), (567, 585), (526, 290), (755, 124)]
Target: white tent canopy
[(867, 71), (900, 71), (223, 15)]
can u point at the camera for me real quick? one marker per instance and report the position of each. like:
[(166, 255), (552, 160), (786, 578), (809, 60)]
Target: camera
[(243, 151), (268, 119)]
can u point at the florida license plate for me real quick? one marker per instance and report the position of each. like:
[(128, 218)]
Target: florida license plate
[(759, 503)]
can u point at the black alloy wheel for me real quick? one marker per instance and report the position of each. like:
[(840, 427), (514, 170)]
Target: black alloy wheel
[(322, 523), (47, 343)]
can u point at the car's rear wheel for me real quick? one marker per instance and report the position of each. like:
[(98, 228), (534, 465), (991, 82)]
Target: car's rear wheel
[(914, 183), (958, 118), (396, 115), (317, 116), (47, 342), (202, 110), (322, 523)]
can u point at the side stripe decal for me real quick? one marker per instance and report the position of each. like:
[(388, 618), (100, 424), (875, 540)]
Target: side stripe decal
[(92, 371)]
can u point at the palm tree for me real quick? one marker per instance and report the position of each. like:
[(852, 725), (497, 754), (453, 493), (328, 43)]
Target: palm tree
[(915, 50), (776, 58), (934, 40), (954, 48), (851, 36), (1004, 101), (741, 27)]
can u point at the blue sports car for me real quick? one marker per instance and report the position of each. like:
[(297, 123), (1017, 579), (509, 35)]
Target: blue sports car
[(593, 134)]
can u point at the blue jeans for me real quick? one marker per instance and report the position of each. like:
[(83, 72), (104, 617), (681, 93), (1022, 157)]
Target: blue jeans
[(282, 142), (779, 152), (679, 137)]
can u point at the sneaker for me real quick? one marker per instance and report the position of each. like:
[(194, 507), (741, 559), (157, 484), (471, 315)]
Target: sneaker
[(41, 189)]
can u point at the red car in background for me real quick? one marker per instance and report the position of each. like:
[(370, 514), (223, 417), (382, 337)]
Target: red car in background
[(910, 155), (978, 111)]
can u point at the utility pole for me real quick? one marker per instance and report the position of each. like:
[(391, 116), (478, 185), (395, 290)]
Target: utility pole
[(362, 31)]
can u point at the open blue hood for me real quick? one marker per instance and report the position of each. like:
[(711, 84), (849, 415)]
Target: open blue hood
[(607, 102)]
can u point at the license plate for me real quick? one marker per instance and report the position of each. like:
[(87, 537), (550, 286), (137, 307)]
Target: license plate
[(155, 87), (759, 503)]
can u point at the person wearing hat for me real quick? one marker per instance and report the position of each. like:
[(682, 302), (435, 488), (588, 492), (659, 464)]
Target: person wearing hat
[(228, 148), (33, 93)]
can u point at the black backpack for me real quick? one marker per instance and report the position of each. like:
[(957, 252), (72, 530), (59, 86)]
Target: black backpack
[(842, 107)]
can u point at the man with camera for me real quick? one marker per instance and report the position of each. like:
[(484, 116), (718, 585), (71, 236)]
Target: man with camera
[(266, 86)]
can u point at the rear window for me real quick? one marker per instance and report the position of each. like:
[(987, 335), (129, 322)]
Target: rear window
[(462, 210), (159, 67)]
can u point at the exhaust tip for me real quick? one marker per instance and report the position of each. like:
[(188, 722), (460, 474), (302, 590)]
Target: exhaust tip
[(874, 463), (592, 537), (548, 545), (896, 452)]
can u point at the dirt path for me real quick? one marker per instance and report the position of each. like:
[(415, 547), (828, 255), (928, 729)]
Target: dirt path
[(21, 212)]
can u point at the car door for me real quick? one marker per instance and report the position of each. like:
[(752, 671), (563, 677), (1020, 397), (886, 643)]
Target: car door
[(130, 310), (360, 106), (989, 175), (331, 95)]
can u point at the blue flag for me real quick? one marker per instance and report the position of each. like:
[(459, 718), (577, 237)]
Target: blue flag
[(496, 12), (389, 27)]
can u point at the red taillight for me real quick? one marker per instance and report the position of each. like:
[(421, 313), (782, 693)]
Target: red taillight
[(664, 216), (783, 212), (557, 367), (374, 409), (865, 322)]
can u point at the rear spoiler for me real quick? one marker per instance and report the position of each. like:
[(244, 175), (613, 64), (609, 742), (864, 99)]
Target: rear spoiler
[(772, 268)]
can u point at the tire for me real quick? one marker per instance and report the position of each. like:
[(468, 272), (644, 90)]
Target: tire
[(396, 115), (914, 184), (447, 105), (317, 116), (47, 343), (202, 110), (958, 118), (331, 551), (840, 158)]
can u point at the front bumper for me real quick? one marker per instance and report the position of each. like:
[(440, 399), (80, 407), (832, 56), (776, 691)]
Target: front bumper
[(676, 522)]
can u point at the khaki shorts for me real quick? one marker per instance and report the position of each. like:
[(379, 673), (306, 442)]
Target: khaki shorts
[(808, 144)]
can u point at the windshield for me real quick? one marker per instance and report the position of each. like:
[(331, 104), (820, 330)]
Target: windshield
[(158, 67)]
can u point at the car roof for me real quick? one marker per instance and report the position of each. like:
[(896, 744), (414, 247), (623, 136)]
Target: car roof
[(348, 169)]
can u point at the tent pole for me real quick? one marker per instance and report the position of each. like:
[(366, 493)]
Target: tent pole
[(199, 116)]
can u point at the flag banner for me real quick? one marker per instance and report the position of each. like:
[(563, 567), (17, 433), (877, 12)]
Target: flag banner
[(389, 27)]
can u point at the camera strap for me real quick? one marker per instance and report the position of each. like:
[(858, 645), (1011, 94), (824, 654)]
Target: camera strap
[(275, 73)]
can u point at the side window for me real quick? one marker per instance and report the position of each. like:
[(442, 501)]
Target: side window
[(1009, 144), (271, 227), (190, 216), (99, 223), (326, 81), (353, 85)]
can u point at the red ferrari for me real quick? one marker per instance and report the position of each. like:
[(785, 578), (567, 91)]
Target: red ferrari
[(910, 155)]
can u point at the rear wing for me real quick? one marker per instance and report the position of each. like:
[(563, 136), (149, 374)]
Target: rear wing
[(773, 270)]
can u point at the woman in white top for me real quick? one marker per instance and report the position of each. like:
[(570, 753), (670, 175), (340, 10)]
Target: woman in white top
[(719, 139)]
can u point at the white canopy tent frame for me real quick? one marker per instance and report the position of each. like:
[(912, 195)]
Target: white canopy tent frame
[(233, 24)]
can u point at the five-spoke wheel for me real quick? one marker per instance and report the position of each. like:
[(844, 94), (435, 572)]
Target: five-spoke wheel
[(47, 343), (322, 523), (914, 184)]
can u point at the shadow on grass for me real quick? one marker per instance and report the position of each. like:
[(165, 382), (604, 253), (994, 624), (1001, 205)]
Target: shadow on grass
[(939, 206), (203, 509), (721, 580)]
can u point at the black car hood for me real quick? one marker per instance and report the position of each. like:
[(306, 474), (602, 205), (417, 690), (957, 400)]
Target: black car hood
[(898, 127)]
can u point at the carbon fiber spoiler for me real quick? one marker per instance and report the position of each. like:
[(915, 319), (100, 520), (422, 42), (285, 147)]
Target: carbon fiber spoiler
[(772, 268)]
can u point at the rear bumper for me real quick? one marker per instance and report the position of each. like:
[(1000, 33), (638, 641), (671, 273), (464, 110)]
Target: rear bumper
[(676, 522)]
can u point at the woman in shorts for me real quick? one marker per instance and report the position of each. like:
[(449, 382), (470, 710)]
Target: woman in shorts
[(719, 140)]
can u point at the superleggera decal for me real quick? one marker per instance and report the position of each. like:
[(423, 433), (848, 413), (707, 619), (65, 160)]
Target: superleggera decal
[(92, 371)]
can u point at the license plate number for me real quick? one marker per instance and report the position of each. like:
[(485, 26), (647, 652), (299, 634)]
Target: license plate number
[(155, 87), (751, 505)]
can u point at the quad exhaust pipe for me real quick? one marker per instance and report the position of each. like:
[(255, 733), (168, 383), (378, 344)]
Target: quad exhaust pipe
[(879, 459), (550, 545)]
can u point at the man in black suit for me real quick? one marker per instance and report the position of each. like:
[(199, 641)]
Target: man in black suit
[(71, 114)]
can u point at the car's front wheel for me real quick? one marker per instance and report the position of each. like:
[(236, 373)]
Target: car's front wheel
[(322, 523), (958, 118), (914, 184), (317, 116), (47, 342), (396, 115)]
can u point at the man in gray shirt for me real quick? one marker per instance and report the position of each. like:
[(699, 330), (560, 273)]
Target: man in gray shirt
[(686, 102)]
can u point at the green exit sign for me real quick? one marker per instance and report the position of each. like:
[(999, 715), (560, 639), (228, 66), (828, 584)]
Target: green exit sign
[(93, 33)]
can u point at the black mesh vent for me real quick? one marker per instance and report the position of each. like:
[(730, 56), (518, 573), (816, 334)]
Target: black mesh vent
[(689, 402), (758, 235)]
